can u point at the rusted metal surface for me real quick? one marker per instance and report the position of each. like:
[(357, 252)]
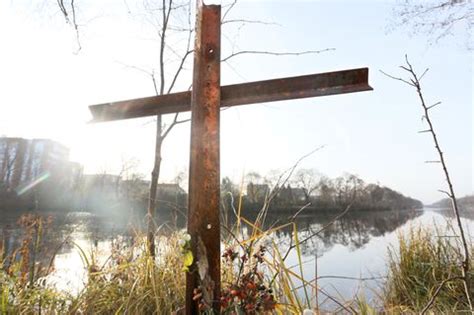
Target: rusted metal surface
[(204, 178), (329, 83)]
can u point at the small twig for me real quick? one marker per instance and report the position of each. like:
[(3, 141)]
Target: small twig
[(445, 192), (434, 105), (396, 78), (76, 27), (72, 22), (63, 10), (299, 211), (249, 21), (230, 6), (423, 74)]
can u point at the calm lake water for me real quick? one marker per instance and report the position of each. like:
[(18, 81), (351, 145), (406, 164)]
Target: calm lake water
[(352, 248)]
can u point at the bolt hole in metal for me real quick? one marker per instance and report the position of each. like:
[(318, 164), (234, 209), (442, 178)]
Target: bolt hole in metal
[(211, 51)]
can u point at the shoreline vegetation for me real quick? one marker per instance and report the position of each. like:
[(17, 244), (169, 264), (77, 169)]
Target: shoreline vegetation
[(255, 277), (303, 188)]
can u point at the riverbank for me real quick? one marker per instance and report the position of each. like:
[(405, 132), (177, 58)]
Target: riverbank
[(118, 275)]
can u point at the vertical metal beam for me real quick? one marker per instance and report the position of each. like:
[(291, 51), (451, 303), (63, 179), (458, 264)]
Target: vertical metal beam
[(204, 188)]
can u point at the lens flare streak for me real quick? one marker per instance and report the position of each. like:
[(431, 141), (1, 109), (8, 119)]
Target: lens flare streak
[(24, 188)]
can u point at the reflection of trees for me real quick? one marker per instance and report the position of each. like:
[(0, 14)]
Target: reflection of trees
[(19, 235), (353, 230), (466, 213)]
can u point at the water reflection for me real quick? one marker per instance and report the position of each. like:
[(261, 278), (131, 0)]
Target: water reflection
[(354, 245), (352, 230)]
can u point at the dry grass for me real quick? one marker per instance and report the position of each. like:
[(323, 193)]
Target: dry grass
[(255, 276), (255, 279), (425, 259)]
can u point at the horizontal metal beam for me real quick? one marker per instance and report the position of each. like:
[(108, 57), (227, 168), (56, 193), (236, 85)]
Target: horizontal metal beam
[(321, 84)]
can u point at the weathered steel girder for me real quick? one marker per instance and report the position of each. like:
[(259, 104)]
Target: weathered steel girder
[(204, 164), (321, 84)]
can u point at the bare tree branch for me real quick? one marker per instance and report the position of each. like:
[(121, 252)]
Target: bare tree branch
[(423, 74), (273, 53), (230, 6), (445, 192), (244, 21), (434, 105), (436, 18), (73, 21), (396, 78)]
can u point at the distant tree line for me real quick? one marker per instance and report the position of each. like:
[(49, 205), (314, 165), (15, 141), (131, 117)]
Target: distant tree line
[(308, 187), (465, 203), (128, 191)]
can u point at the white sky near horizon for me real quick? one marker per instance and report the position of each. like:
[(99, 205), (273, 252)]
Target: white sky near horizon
[(45, 90)]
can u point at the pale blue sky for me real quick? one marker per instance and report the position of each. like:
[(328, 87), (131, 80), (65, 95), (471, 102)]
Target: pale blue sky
[(46, 89)]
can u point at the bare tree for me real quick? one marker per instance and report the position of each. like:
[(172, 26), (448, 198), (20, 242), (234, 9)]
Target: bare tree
[(414, 81), (9, 164), (438, 18), (308, 180), (167, 8), (127, 166)]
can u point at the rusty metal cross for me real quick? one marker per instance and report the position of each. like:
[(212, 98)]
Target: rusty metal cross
[(205, 101)]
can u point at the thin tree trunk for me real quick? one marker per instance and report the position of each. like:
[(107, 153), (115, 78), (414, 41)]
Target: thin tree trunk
[(155, 174), (414, 81), (466, 260)]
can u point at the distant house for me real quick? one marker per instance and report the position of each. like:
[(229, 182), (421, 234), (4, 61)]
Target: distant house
[(170, 189), (171, 193), (288, 195), (135, 188), (140, 187), (298, 194), (257, 193), (106, 184)]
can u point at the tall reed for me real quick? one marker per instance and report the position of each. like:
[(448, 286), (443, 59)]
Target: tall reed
[(425, 260)]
